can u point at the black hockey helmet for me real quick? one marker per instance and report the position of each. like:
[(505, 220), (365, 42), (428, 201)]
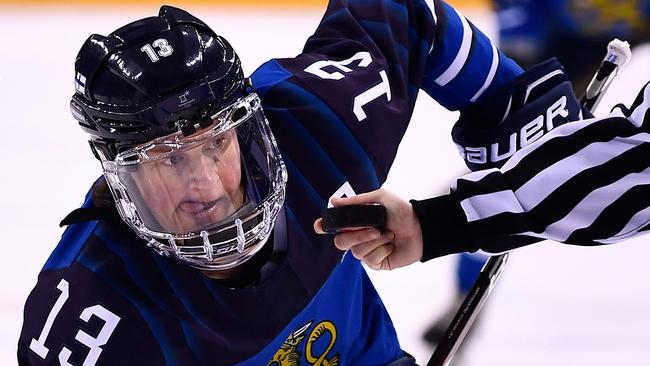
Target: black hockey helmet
[(185, 146), (150, 78)]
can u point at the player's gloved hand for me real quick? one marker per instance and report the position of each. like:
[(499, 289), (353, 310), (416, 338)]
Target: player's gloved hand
[(398, 245), (490, 131)]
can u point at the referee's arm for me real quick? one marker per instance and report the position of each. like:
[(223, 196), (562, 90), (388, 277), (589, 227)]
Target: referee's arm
[(585, 183)]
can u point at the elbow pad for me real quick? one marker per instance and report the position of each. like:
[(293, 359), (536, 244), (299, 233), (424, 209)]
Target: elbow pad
[(490, 131)]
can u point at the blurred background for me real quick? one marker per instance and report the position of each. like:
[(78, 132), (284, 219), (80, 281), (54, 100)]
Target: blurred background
[(554, 305)]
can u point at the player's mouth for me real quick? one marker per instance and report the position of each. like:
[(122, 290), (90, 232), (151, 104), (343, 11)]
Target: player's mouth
[(198, 209)]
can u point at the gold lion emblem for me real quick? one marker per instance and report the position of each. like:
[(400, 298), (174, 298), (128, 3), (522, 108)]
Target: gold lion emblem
[(288, 354)]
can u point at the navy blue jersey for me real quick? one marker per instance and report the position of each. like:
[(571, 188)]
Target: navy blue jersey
[(338, 112)]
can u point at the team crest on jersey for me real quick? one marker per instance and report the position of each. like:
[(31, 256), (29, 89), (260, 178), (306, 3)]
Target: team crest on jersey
[(317, 350)]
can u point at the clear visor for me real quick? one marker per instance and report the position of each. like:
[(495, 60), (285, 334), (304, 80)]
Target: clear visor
[(187, 187), (183, 187)]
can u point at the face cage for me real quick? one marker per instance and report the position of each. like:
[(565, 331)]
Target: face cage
[(227, 247)]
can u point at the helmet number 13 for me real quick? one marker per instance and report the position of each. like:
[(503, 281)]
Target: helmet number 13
[(163, 47), (93, 343)]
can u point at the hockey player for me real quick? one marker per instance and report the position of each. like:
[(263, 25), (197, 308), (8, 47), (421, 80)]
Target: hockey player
[(226, 192), (586, 183)]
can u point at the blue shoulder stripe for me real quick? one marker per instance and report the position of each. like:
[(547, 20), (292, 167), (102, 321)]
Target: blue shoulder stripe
[(268, 75)]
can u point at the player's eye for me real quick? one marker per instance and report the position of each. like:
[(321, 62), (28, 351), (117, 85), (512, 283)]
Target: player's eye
[(216, 145), (173, 160)]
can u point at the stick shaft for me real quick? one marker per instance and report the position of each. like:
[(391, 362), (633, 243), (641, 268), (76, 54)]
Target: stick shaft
[(468, 311), (599, 85)]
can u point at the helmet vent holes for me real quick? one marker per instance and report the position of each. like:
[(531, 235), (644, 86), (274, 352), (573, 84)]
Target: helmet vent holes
[(131, 159), (239, 114)]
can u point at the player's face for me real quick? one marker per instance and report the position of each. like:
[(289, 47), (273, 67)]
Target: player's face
[(191, 189)]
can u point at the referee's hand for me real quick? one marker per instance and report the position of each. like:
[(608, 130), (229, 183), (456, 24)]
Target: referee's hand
[(398, 245)]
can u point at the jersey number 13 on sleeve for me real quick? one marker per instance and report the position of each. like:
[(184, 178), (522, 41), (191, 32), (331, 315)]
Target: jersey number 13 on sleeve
[(364, 59)]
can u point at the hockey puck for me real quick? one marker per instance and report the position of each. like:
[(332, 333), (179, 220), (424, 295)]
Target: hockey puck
[(351, 217)]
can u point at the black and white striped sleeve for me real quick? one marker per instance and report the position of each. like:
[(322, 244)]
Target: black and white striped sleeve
[(586, 183)]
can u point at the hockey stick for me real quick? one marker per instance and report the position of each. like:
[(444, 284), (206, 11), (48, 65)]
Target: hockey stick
[(618, 54), (468, 311)]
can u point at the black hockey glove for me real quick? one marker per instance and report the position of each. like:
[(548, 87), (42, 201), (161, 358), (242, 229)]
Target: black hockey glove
[(519, 113)]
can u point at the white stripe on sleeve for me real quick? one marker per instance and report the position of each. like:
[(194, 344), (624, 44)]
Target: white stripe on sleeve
[(473, 176), (490, 76), (486, 205), (638, 221), (461, 57), (548, 180), (432, 7), (560, 131), (593, 204)]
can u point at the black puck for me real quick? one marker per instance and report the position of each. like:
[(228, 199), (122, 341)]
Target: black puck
[(349, 217)]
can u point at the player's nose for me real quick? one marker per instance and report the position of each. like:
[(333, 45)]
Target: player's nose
[(204, 172)]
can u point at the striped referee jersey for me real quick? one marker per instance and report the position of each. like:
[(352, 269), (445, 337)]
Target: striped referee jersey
[(586, 183)]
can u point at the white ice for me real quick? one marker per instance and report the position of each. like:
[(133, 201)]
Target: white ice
[(555, 304)]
